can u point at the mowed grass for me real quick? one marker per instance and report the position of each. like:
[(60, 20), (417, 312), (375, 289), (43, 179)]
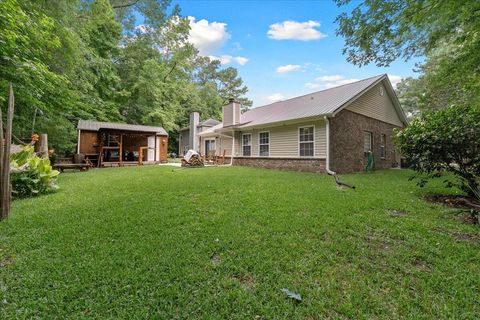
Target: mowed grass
[(221, 243)]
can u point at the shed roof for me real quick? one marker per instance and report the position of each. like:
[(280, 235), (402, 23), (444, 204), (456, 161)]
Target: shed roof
[(97, 125)]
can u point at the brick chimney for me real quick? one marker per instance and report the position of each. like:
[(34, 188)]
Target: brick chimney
[(231, 113), (193, 138)]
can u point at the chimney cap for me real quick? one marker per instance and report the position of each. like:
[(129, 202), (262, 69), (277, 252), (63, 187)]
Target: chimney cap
[(231, 99)]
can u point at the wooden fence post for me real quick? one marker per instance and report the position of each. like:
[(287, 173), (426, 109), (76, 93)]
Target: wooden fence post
[(6, 188)]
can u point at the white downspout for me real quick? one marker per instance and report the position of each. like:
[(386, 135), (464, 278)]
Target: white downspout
[(327, 162)]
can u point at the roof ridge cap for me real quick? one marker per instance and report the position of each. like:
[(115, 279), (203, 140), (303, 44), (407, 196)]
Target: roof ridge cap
[(303, 95)]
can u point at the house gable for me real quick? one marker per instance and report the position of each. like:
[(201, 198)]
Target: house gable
[(377, 103)]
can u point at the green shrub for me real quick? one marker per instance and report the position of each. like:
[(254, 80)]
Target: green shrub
[(30, 174), (445, 141)]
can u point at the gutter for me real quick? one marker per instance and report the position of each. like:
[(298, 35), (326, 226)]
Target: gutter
[(327, 162)]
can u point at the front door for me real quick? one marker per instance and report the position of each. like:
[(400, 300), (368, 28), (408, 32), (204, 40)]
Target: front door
[(151, 148), (209, 147)]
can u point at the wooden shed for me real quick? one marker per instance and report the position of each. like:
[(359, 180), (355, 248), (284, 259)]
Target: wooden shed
[(110, 144)]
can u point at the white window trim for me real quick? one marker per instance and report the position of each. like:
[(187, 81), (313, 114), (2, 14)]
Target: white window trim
[(298, 138), (244, 145), (264, 144)]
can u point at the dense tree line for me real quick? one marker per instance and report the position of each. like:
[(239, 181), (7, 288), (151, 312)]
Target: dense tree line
[(446, 33), (84, 59)]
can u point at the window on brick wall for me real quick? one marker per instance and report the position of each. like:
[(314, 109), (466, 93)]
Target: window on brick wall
[(383, 146), (367, 141)]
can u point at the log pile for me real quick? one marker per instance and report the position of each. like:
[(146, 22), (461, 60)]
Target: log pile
[(195, 161)]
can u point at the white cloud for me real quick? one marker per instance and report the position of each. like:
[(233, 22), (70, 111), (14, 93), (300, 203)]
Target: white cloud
[(226, 59), (241, 60), (288, 68), (275, 97), (206, 36), (329, 81), (293, 30), (394, 79), (334, 77)]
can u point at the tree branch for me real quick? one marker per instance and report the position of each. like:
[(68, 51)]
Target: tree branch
[(118, 6), (170, 72)]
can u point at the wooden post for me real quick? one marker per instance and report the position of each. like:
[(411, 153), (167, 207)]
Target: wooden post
[(6, 188), (2, 152), (43, 145), (121, 151)]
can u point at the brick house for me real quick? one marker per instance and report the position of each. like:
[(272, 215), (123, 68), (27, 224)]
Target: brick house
[(328, 130)]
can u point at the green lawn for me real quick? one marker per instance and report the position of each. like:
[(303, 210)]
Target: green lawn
[(221, 243)]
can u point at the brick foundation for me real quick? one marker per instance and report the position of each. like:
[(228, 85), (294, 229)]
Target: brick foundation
[(306, 165), (346, 142)]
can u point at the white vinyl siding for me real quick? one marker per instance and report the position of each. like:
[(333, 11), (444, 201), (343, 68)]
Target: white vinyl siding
[(374, 105), (283, 141)]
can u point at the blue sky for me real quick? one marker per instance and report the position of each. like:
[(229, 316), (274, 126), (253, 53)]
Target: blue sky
[(280, 48)]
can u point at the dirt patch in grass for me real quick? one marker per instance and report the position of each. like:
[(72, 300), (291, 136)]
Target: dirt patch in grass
[(469, 216), (246, 281), (420, 264), (460, 236), (215, 259), (457, 201), (6, 261)]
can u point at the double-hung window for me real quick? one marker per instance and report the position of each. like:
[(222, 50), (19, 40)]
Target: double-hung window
[(383, 149), (247, 144), (306, 138), (264, 143)]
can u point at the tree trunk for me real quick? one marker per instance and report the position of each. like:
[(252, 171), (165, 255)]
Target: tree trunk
[(6, 188)]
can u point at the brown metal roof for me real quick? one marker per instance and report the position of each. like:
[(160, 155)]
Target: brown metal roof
[(97, 125), (321, 103), (324, 102)]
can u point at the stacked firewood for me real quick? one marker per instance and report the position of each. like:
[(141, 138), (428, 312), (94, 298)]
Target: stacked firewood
[(195, 161)]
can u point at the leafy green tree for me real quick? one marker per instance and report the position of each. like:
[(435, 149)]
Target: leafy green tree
[(381, 31), (446, 141), (28, 45), (84, 59)]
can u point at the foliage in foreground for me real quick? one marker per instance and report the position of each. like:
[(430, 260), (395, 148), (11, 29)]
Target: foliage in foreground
[(30, 174), (445, 141)]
